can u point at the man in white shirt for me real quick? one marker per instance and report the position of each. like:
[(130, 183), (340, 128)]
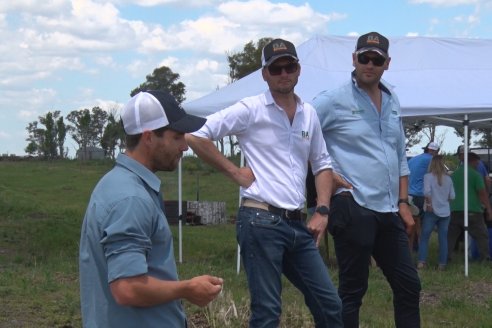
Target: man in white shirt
[(279, 135)]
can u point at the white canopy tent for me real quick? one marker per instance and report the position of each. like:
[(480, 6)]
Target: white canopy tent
[(438, 80)]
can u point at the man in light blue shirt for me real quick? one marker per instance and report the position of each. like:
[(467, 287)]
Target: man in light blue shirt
[(362, 126), (128, 275)]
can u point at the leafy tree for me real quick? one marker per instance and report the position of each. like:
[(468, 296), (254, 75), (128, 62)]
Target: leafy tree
[(47, 141), (113, 136), (31, 149), (49, 145), (412, 133), (80, 130), (418, 130), (247, 61), (485, 135), (61, 133), (87, 127), (35, 139), (460, 132), (163, 78)]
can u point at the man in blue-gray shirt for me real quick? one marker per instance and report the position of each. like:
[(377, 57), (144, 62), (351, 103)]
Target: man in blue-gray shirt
[(128, 274), (419, 166), (362, 126)]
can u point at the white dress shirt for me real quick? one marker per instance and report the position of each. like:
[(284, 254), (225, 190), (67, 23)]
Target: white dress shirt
[(276, 151)]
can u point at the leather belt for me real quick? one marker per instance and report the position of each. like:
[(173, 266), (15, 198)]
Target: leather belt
[(295, 215), (345, 194)]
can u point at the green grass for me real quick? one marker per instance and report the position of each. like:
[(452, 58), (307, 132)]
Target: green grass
[(41, 210)]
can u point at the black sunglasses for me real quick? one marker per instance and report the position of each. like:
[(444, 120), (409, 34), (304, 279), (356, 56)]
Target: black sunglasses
[(277, 69), (365, 59)]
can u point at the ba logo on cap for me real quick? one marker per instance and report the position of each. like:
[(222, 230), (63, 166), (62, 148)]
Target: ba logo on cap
[(279, 46), (372, 39)]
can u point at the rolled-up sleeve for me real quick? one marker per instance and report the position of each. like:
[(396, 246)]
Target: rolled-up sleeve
[(127, 238)]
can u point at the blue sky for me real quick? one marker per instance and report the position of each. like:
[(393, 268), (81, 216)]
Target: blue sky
[(69, 55)]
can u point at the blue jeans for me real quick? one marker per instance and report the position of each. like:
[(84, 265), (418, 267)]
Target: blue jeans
[(360, 233), (428, 223), (271, 246)]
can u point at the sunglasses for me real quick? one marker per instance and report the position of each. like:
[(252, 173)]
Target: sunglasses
[(277, 69), (365, 59)]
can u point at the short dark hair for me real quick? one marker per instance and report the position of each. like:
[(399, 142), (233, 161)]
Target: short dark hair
[(473, 157), (133, 140)]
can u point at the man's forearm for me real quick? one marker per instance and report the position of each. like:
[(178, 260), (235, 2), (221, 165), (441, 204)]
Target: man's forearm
[(324, 186), (206, 150), (403, 187)]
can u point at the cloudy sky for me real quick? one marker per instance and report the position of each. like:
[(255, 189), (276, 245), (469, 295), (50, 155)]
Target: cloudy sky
[(68, 55)]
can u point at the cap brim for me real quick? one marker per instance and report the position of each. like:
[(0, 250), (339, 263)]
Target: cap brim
[(188, 124), (373, 49), (274, 58)]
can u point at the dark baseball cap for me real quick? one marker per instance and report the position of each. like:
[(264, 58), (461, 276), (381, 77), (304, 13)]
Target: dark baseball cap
[(276, 49), (373, 41)]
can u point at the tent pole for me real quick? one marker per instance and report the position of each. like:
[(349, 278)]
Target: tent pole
[(238, 265), (465, 160), (180, 214)]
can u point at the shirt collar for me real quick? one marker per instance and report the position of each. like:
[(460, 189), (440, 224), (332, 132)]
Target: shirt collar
[(381, 86), (270, 101), (140, 170)]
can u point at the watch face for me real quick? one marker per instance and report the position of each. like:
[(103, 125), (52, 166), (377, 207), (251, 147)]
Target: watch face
[(323, 210)]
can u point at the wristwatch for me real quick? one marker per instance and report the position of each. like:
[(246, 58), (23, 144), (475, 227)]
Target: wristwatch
[(403, 200), (323, 210)]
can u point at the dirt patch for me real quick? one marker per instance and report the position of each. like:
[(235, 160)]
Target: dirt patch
[(479, 293), (429, 298), (474, 292)]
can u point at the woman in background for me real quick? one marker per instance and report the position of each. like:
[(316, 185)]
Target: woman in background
[(438, 191)]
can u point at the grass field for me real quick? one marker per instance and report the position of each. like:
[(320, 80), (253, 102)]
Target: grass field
[(41, 210)]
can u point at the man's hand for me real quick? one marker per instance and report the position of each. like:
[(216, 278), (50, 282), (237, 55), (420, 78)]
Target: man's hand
[(203, 289), (406, 215), (244, 177), (339, 182), (317, 226)]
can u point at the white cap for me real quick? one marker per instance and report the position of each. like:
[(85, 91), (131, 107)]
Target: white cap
[(432, 146), (151, 110)]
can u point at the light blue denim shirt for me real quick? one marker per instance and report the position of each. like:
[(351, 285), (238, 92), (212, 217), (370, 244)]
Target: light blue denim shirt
[(367, 148), (125, 234)]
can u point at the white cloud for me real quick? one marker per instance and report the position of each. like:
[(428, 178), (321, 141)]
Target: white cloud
[(106, 61), (263, 12), (109, 106), (45, 7), (182, 3), (448, 3), (235, 24), (27, 115), (205, 64)]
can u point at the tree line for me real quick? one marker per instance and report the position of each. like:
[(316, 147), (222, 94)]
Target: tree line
[(98, 128), (92, 127)]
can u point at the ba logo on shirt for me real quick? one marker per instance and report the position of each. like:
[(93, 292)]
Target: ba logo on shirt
[(305, 135)]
